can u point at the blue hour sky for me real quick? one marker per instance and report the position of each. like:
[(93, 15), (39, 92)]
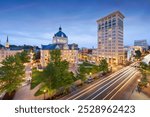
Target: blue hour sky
[(34, 22)]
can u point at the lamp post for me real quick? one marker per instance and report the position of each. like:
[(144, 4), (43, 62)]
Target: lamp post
[(44, 93), (90, 73), (139, 80)]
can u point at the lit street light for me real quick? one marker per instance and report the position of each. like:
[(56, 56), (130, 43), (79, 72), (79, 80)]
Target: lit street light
[(90, 73), (139, 80), (44, 93)]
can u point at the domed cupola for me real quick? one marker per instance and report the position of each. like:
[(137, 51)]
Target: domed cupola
[(60, 37), (60, 33)]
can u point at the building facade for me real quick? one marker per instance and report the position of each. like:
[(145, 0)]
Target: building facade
[(146, 59), (142, 43), (110, 38), (130, 52), (7, 50), (69, 52)]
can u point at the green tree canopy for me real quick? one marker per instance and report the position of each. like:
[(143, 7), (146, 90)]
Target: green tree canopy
[(56, 74), (103, 66), (36, 55), (24, 56), (138, 54), (11, 74), (55, 56)]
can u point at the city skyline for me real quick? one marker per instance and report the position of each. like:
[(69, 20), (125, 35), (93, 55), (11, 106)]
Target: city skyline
[(36, 22)]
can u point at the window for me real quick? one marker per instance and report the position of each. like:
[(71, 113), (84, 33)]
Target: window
[(120, 22)]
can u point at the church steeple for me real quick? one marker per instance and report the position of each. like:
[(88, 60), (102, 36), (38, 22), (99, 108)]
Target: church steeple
[(7, 43), (7, 40)]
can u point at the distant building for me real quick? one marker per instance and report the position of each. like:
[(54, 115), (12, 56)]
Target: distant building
[(130, 52), (142, 43), (85, 54), (146, 59), (8, 50), (89, 55), (110, 38), (69, 52), (1, 46), (7, 43), (95, 58)]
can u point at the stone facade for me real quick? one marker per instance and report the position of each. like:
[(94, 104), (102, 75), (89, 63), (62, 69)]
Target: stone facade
[(110, 38), (69, 52), (7, 50)]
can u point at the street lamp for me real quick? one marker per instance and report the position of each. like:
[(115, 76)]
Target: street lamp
[(44, 93), (90, 73), (139, 80)]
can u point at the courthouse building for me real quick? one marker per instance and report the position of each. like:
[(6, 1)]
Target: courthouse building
[(69, 52)]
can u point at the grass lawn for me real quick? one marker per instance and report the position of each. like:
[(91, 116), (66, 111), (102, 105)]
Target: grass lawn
[(36, 78), (87, 68)]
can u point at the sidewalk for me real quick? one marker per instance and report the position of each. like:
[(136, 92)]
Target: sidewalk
[(139, 96), (24, 93)]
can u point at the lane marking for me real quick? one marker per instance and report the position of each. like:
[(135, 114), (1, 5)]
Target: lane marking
[(118, 78), (97, 83), (107, 87), (119, 85)]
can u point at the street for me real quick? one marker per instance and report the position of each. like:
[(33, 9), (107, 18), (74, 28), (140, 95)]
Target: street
[(110, 87), (119, 85), (28, 73)]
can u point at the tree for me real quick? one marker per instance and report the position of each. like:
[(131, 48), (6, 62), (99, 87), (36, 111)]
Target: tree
[(23, 56), (56, 75), (103, 66), (11, 74), (36, 55), (143, 65), (138, 54), (55, 56)]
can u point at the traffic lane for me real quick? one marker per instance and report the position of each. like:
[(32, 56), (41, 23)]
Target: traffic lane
[(88, 86), (116, 90), (111, 91), (107, 87), (89, 90), (127, 90), (101, 87), (97, 87)]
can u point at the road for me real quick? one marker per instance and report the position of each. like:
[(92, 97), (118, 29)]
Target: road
[(110, 87), (28, 73)]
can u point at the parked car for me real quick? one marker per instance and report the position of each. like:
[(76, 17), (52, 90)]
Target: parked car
[(89, 80)]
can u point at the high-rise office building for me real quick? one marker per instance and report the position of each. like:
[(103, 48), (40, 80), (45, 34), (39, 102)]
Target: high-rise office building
[(110, 38), (142, 43)]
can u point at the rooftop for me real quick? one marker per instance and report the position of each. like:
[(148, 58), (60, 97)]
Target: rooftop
[(111, 14), (60, 33)]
